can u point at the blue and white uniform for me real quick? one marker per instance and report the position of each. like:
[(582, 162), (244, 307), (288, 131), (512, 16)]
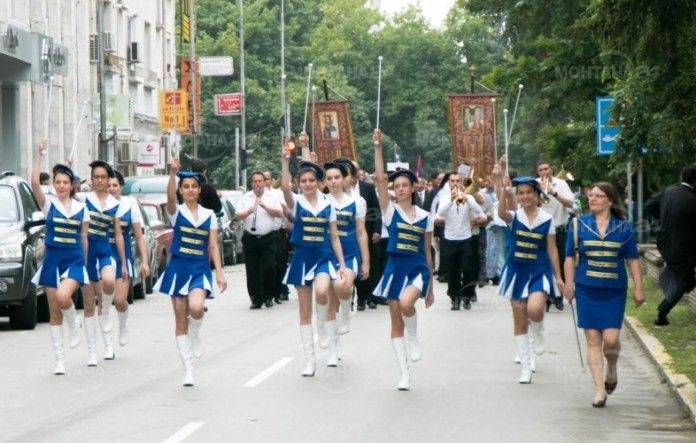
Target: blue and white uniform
[(348, 211), (189, 265), (406, 263), (99, 253), (312, 240), (528, 265), (64, 257), (128, 213)]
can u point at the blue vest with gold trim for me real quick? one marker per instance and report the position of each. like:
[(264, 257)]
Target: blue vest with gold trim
[(309, 230), (528, 246), (64, 232), (406, 238), (345, 221), (189, 240), (100, 222)]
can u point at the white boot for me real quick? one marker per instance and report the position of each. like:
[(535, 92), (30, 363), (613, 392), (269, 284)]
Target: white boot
[(307, 336), (108, 341), (399, 346), (107, 300), (70, 317), (532, 356), (331, 327), (57, 341), (123, 327), (91, 333), (183, 343), (411, 331), (322, 311), (194, 334), (537, 330), (523, 349), (344, 317)]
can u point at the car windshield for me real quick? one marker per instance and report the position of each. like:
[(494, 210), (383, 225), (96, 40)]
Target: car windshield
[(151, 212), (9, 205)]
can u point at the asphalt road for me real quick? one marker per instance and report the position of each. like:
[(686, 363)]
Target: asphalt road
[(249, 388)]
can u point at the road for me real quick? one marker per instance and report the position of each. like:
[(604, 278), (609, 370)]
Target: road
[(249, 388)]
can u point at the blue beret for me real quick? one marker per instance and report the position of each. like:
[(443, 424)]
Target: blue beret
[(349, 163), (200, 178), (403, 173), (318, 171), (62, 169), (337, 165), (103, 164), (531, 181)]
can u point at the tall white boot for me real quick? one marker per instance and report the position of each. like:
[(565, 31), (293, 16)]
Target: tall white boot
[(194, 333), (183, 343), (332, 332), (307, 336), (537, 330), (70, 317), (109, 353), (411, 335), (344, 317), (57, 341), (322, 311), (123, 327), (107, 300), (532, 356), (399, 347), (91, 333), (523, 350)]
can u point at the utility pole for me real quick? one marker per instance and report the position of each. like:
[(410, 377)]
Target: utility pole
[(192, 50), (285, 131), (242, 90), (103, 141)]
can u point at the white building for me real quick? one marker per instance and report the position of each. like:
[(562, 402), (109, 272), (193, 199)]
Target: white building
[(48, 79)]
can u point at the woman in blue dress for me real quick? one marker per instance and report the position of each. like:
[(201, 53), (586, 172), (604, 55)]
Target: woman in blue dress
[(131, 224), (63, 268), (408, 272), (314, 235), (101, 262), (606, 244), (531, 265), (187, 278)]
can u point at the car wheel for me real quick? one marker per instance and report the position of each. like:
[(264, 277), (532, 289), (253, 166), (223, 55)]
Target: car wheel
[(42, 312), (24, 315)]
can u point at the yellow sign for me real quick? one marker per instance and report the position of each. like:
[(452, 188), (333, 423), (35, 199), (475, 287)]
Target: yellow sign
[(185, 21), (173, 110)]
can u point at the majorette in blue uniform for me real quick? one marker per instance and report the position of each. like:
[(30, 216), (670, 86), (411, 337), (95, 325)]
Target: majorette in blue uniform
[(128, 213), (64, 257), (406, 263), (348, 210), (528, 266), (99, 254), (189, 265), (601, 281), (312, 240)]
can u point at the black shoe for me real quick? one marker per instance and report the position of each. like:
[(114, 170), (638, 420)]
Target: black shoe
[(467, 303), (548, 305), (277, 300), (361, 306), (255, 306), (382, 301), (495, 281), (482, 282), (455, 304), (269, 303), (558, 302), (600, 403), (442, 279), (661, 320), (474, 298), (371, 305), (284, 297)]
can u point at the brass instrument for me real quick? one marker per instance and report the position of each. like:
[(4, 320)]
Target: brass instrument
[(472, 188), (545, 184), (565, 175)]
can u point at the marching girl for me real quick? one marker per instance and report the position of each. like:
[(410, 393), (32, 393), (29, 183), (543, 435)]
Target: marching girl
[(187, 278), (350, 224), (531, 263), (408, 273), (314, 235), (101, 262), (131, 222), (63, 268)]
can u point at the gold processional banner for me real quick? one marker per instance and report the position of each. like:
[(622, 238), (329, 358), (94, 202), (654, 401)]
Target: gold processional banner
[(332, 130), (473, 131)]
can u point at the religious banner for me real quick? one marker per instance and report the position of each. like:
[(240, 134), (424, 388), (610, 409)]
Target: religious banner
[(332, 130), (472, 131)]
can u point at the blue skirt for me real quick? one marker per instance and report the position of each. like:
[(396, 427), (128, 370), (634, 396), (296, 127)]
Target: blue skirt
[(402, 271), (520, 280), (99, 256), (183, 274), (600, 307), (60, 263), (353, 263), (306, 263)]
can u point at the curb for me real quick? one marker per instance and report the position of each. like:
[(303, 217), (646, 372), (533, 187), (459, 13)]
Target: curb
[(680, 384)]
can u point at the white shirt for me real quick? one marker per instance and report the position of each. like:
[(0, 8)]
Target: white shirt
[(261, 220), (555, 208), (458, 217)]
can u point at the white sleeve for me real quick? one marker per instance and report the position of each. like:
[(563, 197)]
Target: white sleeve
[(136, 217), (389, 214), (360, 208), (431, 224)]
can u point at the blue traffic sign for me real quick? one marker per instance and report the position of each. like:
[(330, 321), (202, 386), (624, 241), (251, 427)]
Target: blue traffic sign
[(607, 129)]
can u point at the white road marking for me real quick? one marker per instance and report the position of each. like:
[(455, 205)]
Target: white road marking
[(184, 432), (263, 375)]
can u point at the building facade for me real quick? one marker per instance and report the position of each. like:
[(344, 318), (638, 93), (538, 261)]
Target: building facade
[(50, 87)]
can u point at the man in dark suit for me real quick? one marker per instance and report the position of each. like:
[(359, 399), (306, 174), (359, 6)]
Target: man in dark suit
[(373, 226), (675, 208)]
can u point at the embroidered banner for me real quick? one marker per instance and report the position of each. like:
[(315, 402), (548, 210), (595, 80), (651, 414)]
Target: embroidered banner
[(473, 131)]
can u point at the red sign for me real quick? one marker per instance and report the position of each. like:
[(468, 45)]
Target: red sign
[(229, 104)]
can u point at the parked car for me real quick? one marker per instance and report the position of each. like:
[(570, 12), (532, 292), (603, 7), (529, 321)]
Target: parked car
[(234, 230), (22, 232), (142, 285), (161, 227)]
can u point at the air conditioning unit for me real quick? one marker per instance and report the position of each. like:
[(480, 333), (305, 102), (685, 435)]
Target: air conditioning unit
[(134, 53), (93, 48), (108, 42), (128, 153)]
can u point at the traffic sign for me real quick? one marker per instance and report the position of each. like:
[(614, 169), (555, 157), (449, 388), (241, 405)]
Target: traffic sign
[(216, 66), (607, 129), (229, 104)]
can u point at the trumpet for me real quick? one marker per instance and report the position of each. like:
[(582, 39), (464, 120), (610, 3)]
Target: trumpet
[(545, 183), (565, 175), (471, 188)]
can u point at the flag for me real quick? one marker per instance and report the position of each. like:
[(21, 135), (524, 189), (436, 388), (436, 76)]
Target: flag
[(419, 167)]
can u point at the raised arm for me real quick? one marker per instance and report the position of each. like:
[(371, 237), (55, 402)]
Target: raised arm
[(503, 201), (380, 175), (174, 167), (36, 172)]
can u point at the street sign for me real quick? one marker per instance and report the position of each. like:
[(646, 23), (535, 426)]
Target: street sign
[(173, 110), (607, 129), (216, 66), (229, 104), (148, 153)]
